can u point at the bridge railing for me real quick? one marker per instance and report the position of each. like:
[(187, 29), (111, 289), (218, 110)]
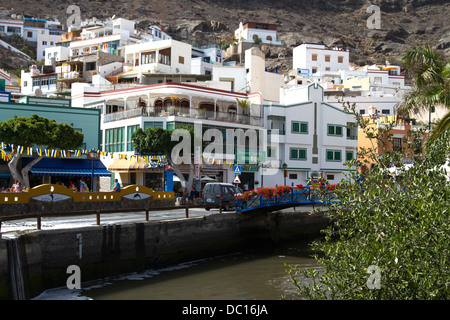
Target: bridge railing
[(306, 195)]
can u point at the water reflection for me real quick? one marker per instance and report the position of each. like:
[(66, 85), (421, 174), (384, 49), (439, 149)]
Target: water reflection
[(240, 276)]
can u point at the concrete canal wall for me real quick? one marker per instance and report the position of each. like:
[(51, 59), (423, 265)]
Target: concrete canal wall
[(38, 260)]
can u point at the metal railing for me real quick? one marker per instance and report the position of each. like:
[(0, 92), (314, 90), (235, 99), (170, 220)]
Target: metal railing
[(157, 111), (39, 215), (307, 195)]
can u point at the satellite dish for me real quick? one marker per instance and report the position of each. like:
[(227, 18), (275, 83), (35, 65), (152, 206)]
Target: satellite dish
[(38, 92)]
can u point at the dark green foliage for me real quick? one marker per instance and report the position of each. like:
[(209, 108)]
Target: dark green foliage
[(37, 130), (397, 225)]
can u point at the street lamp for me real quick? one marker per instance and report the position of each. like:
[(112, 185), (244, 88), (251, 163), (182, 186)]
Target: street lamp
[(284, 167)]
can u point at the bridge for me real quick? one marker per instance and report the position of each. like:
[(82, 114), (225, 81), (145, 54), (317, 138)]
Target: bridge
[(306, 196)]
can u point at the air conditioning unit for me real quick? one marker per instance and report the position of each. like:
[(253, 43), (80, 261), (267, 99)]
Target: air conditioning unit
[(314, 174)]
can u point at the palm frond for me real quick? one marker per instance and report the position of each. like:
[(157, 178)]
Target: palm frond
[(442, 126)]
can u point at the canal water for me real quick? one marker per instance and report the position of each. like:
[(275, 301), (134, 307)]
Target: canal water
[(258, 274)]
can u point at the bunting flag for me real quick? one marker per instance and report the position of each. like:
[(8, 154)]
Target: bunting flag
[(19, 149), (39, 151), (29, 151), (63, 153)]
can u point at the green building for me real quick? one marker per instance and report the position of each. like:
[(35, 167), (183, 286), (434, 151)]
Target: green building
[(52, 170)]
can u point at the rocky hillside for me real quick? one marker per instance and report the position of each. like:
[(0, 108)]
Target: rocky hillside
[(404, 23)]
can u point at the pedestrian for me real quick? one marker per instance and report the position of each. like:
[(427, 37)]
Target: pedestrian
[(18, 187), (74, 187), (310, 183), (116, 185), (246, 186), (185, 196), (83, 186), (194, 194)]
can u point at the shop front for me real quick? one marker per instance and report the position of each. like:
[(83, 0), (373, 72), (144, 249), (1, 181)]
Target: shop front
[(68, 172), (157, 176)]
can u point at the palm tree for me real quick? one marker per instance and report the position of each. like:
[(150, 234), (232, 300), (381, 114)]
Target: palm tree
[(431, 84)]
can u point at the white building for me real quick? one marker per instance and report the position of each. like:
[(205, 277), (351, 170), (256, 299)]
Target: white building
[(42, 34), (106, 37), (9, 27), (158, 33), (169, 105), (165, 56), (318, 59), (57, 53), (309, 135), (252, 31), (258, 79), (38, 83), (205, 58)]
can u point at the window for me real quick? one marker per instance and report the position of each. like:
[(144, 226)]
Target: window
[(377, 80), (327, 69), (271, 152), (334, 155), (293, 176), (340, 59), (114, 139), (314, 57), (397, 144), (90, 66), (362, 111), (130, 131), (153, 124), (30, 34), (386, 111), (335, 130), (164, 56), (327, 58), (314, 70), (330, 176), (299, 127), (181, 60), (269, 38), (14, 30), (148, 57), (352, 131), (297, 153), (348, 155), (44, 43)]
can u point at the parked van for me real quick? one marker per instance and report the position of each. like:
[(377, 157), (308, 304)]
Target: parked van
[(218, 192)]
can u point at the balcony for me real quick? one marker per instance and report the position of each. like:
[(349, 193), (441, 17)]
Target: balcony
[(184, 112)]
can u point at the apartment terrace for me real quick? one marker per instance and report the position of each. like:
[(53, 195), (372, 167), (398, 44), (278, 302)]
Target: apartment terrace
[(184, 102)]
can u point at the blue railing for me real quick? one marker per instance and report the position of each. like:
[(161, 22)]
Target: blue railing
[(305, 196)]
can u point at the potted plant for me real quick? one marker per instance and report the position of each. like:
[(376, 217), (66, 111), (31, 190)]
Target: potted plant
[(173, 111), (201, 113)]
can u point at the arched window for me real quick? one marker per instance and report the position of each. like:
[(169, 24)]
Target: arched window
[(269, 38), (209, 109), (158, 106), (184, 106), (232, 112)]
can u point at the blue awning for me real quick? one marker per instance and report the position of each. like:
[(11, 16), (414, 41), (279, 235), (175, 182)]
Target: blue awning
[(68, 167), (5, 174)]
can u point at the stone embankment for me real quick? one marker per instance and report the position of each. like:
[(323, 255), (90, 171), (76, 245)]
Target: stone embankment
[(38, 260)]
